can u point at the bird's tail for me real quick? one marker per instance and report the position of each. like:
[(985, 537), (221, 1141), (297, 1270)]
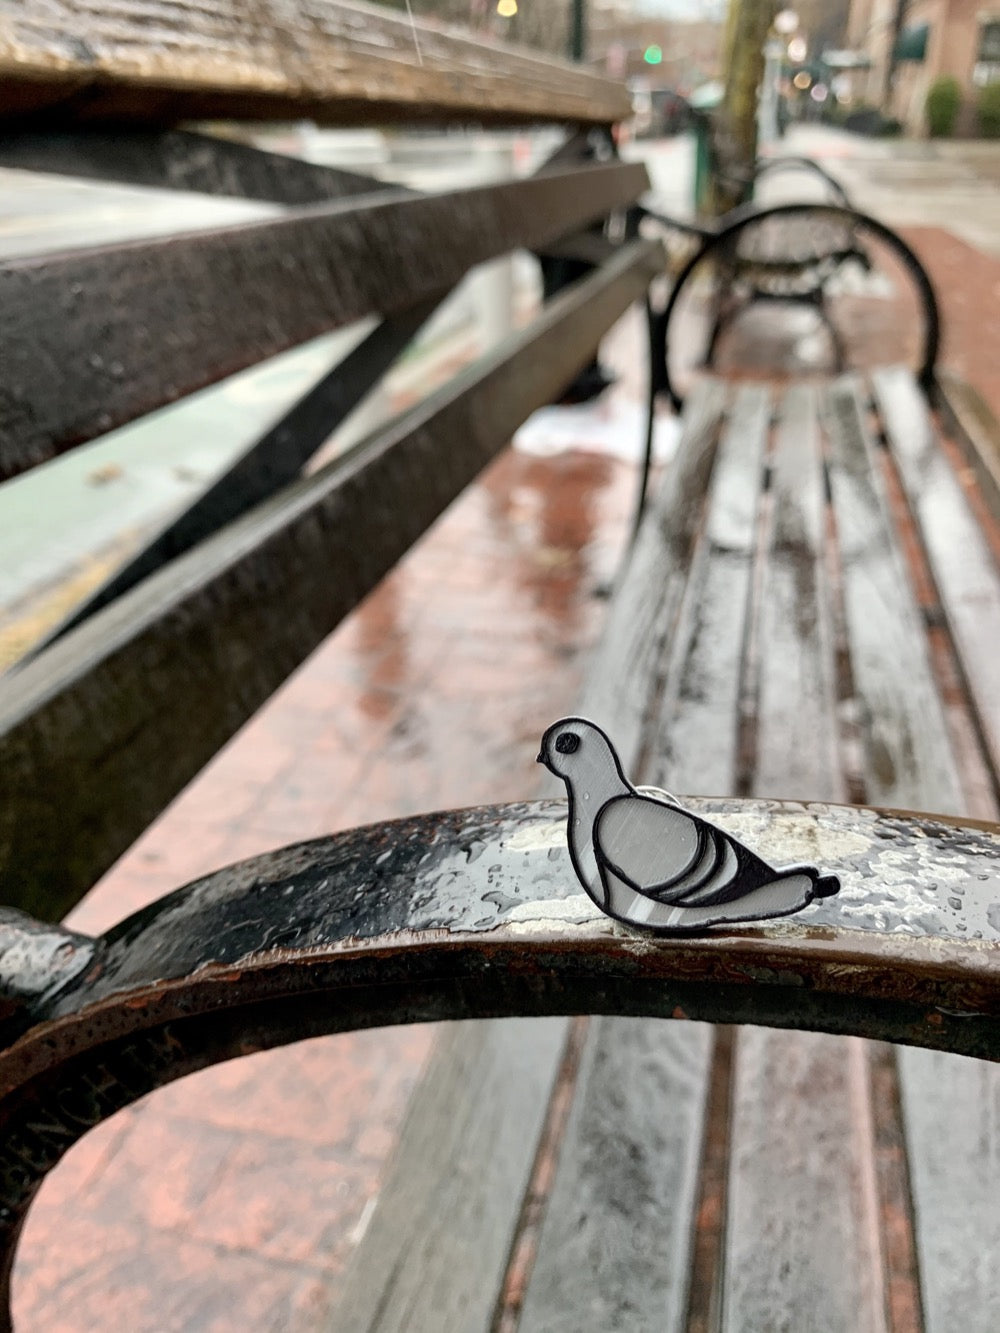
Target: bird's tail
[(825, 886)]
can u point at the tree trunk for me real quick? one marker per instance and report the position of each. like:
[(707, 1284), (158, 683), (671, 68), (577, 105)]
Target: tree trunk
[(734, 147)]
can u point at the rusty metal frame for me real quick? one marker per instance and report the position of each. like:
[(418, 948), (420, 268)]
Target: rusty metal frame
[(476, 913)]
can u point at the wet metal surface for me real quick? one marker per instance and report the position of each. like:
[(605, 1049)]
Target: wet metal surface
[(505, 870)]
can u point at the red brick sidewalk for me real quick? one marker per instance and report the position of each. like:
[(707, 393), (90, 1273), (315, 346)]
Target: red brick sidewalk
[(968, 287), (232, 1199)]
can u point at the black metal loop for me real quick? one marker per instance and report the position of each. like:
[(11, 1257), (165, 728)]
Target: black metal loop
[(741, 218)]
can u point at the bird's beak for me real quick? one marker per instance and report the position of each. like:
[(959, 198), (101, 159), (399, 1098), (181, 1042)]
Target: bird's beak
[(539, 758)]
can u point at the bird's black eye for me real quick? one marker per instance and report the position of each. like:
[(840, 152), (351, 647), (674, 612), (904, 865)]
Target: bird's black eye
[(568, 743)]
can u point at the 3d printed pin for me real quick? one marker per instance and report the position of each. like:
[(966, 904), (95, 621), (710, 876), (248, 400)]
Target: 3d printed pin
[(648, 862)]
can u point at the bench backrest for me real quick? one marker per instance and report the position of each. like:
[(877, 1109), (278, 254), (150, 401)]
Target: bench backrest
[(140, 687)]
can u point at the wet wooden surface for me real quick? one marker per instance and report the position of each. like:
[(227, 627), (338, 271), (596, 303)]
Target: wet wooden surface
[(802, 1243), (796, 700), (615, 1243), (651, 585), (811, 1216), (616, 1239), (274, 460), (102, 335), (961, 560), (697, 747), (801, 1237), (950, 1106), (905, 738), (436, 1250), (330, 61)]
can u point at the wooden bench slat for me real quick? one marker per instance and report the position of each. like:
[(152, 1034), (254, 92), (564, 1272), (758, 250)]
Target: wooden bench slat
[(907, 752), (961, 560), (697, 749), (969, 417), (329, 61), (178, 160), (936, 1096), (616, 1241), (646, 602), (802, 1242), (796, 703), (96, 337), (951, 1111), (103, 729), (436, 1249), (592, 1249), (950, 1105), (802, 1235)]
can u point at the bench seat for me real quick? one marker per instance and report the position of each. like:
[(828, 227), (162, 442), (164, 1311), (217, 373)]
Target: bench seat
[(785, 625)]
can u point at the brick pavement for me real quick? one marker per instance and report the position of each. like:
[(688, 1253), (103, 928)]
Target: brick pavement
[(968, 286)]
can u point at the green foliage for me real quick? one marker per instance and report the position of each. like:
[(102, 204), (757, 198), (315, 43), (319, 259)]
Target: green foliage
[(988, 106), (944, 97)]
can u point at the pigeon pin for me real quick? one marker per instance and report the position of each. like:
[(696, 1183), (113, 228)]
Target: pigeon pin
[(648, 862)]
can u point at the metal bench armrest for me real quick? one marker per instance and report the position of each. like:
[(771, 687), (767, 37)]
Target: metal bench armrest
[(477, 913)]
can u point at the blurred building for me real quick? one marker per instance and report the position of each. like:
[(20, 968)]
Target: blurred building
[(823, 23), (913, 42)]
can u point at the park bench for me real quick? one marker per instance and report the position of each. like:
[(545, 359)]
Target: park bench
[(808, 616)]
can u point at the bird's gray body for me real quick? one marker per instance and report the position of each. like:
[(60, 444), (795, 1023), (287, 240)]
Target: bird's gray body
[(648, 862)]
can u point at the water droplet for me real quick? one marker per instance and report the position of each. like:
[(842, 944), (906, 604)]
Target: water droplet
[(956, 903)]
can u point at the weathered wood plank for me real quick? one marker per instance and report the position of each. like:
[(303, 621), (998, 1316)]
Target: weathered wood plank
[(697, 746), (105, 727), (951, 1111), (796, 703), (270, 463), (951, 1105), (615, 1242), (968, 416), (802, 1235), (329, 61), (435, 1252), (651, 584), (907, 752), (948, 1105), (96, 337), (176, 160), (961, 560)]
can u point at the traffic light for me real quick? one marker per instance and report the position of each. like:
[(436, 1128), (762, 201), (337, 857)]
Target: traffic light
[(653, 55)]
